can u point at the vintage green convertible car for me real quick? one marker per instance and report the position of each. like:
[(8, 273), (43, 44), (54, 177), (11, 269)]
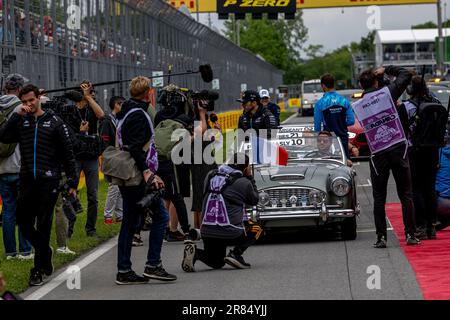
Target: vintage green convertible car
[(316, 188)]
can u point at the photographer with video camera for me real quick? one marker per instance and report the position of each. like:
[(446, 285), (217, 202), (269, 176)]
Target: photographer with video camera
[(168, 119), (88, 149), (45, 145), (136, 134), (388, 145)]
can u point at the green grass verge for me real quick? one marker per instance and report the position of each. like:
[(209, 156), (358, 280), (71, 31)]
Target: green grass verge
[(17, 272), (285, 115)]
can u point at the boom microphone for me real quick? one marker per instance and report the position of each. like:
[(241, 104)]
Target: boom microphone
[(205, 72)]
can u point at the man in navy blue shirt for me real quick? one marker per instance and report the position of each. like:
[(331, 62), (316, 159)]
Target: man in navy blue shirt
[(273, 107), (334, 111)]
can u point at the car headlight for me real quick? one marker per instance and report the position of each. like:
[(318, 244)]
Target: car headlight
[(264, 198), (305, 102), (351, 135), (316, 197), (340, 186)]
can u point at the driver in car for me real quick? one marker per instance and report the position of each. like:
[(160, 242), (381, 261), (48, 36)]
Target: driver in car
[(324, 144)]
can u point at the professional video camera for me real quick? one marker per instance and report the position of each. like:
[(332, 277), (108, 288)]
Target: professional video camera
[(185, 100), (69, 203), (85, 146), (206, 95), (59, 104)]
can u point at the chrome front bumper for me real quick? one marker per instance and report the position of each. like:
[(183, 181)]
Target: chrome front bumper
[(324, 213)]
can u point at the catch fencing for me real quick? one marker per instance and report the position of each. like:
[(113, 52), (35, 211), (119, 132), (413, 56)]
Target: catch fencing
[(59, 43)]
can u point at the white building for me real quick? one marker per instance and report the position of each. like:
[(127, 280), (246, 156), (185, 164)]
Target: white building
[(409, 48)]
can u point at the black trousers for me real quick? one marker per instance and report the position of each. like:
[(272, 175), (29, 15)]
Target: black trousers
[(173, 194), (215, 250), (35, 207), (395, 160), (424, 166)]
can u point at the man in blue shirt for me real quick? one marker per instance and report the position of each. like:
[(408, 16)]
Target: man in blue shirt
[(334, 111)]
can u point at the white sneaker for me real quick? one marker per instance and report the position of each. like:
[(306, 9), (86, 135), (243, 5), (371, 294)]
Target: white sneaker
[(65, 250), (9, 258), (26, 257)]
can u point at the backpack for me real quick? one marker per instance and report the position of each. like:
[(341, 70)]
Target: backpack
[(163, 138), (7, 149), (430, 125)]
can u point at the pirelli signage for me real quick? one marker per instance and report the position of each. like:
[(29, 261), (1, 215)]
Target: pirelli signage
[(256, 8), (217, 6)]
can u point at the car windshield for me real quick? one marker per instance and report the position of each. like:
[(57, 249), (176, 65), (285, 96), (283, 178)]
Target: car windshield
[(441, 93), (312, 87), (308, 146)]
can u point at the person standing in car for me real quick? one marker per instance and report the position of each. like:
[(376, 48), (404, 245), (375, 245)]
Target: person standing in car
[(334, 112)]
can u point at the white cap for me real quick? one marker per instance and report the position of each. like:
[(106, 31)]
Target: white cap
[(264, 93)]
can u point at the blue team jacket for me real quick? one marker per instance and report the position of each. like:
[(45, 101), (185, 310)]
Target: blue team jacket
[(335, 112), (443, 175)]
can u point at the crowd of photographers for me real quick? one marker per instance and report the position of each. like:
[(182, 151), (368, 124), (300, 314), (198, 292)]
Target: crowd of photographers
[(45, 144)]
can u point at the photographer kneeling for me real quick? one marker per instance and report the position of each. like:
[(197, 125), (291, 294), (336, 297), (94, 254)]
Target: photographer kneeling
[(136, 134), (227, 191)]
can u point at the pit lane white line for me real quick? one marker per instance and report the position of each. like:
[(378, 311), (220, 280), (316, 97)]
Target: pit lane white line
[(63, 276), (291, 117), (369, 184)]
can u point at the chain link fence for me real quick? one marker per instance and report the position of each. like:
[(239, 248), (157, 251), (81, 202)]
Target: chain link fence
[(59, 43)]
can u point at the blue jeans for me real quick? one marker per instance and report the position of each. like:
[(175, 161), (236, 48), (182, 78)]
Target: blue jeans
[(9, 186), (130, 221)]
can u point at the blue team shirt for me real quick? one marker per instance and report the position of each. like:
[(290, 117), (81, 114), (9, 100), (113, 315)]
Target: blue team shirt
[(334, 112)]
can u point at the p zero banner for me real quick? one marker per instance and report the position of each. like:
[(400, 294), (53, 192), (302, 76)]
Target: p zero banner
[(256, 6), (211, 5)]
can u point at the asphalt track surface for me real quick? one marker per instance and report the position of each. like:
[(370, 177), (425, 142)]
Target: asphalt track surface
[(309, 265)]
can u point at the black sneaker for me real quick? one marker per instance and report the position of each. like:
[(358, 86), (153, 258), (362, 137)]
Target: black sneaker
[(188, 258), (137, 241), (236, 261), (412, 240), (158, 273), (130, 277), (35, 278), (421, 233), (381, 243)]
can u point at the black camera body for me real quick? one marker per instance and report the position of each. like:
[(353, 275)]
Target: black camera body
[(149, 202), (69, 203), (383, 80)]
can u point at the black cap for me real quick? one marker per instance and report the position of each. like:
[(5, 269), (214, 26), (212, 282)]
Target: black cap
[(249, 95)]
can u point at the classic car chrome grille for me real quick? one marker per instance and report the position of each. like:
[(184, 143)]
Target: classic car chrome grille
[(281, 196)]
